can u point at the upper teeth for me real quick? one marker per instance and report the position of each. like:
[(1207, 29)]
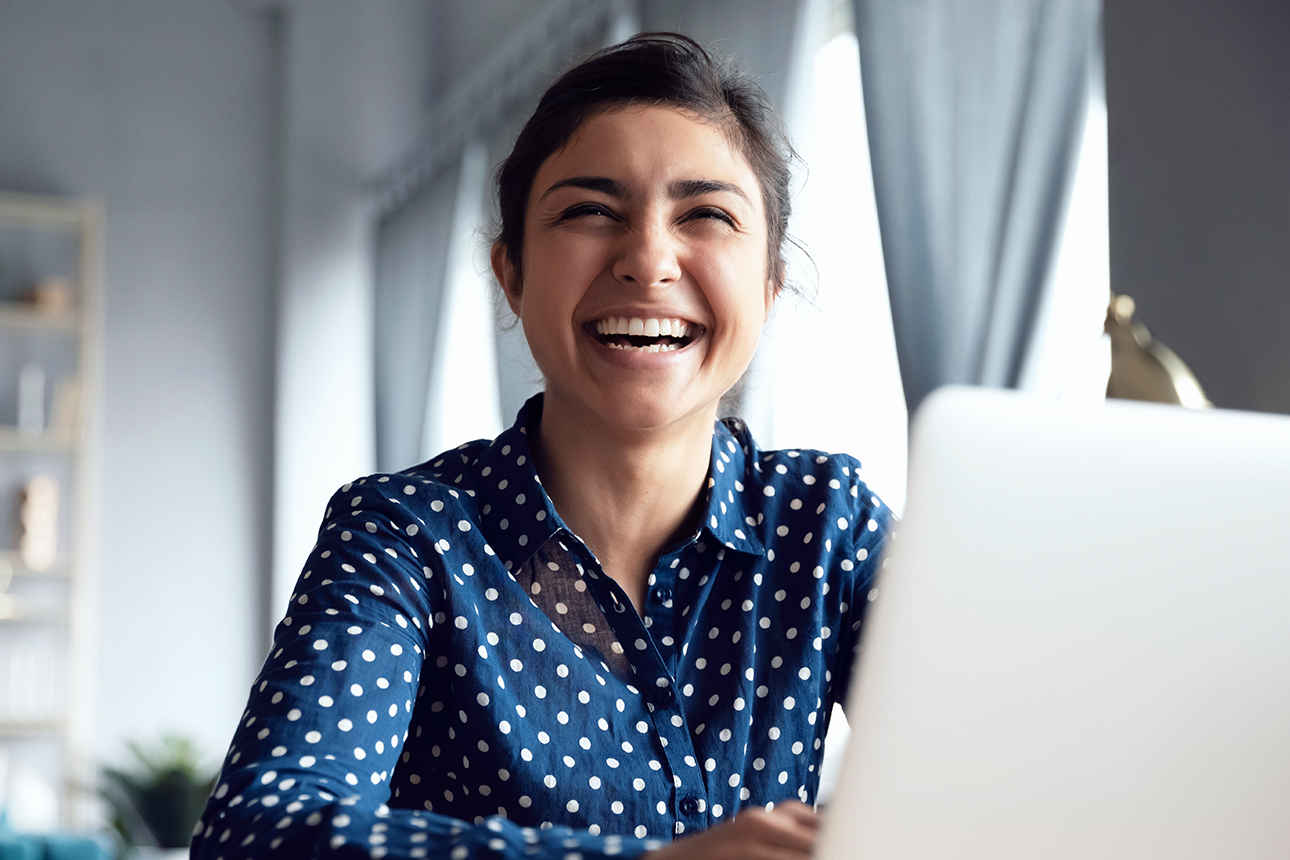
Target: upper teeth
[(642, 327)]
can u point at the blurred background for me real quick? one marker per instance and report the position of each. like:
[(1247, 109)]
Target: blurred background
[(249, 238)]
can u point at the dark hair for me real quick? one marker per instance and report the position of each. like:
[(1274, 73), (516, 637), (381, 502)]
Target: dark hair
[(654, 69)]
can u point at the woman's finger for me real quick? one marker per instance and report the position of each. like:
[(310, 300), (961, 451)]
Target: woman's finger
[(799, 812), (786, 832), (792, 827)]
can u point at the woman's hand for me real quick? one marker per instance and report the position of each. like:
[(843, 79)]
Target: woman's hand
[(785, 833)]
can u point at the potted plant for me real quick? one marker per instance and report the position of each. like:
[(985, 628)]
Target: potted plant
[(156, 804)]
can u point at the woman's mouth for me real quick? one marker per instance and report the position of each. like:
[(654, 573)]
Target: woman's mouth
[(644, 334)]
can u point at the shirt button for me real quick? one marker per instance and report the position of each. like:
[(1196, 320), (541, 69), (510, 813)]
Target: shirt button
[(689, 806), (663, 594), (663, 697)]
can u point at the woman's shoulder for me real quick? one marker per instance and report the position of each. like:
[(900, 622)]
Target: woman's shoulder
[(794, 474), (444, 482)]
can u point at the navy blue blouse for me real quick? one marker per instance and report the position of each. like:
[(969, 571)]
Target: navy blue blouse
[(457, 677)]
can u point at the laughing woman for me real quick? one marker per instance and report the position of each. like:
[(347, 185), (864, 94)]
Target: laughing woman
[(619, 627)]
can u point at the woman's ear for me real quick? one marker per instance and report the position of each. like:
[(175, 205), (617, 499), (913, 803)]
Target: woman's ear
[(508, 276)]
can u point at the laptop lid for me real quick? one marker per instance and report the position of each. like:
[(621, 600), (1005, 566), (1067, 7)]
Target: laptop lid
[(1080, 641)]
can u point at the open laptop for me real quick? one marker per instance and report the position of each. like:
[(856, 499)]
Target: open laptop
[(1080, 644)]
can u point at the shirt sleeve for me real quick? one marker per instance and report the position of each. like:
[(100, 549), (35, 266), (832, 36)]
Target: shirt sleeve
[(308, 771), (873, 526)]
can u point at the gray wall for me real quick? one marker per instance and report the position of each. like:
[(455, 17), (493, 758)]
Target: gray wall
[(1198, 100), (163, 109)]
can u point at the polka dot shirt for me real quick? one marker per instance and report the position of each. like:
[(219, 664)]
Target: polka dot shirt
[(457, 677)]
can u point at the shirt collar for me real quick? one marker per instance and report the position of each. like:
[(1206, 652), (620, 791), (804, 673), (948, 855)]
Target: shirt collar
[(733, 514), (517, 517)]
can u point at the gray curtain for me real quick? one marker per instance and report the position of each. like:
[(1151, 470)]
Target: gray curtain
[(411, 266), (975, 109)]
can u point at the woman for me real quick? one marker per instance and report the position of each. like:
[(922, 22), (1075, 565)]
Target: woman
[(613, 629)]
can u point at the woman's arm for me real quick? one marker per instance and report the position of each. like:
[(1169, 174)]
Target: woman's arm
[(308, 772)]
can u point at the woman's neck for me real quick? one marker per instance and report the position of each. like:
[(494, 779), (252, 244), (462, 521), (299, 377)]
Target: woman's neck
[(628, 494)]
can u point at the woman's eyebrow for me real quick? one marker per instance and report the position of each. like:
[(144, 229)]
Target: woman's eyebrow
[(684, 188), (603, 184), (678, 190)]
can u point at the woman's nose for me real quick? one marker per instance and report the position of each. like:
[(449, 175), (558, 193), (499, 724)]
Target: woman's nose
[(649, 257)]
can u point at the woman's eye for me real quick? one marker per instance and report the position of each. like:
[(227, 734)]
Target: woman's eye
[(583, 210), (713, 213)]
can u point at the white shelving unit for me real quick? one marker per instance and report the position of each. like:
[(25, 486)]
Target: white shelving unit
[(47, 631)]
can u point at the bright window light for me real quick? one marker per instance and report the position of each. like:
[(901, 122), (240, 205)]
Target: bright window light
[(826, 374), (1069, 357), (462, 403)]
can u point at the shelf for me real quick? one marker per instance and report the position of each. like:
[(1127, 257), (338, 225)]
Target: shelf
[(17, 316), (14, 611), (41, 213), (29, 728), (60, 569), (46, 442), (34, 621), (45, 645)]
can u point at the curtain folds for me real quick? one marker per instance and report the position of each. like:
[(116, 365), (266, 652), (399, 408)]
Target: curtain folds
[(974, 112), (436, 355), (462, 392), (826, 375), (412, 252)]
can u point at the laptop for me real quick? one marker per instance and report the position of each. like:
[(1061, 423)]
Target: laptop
[(1080, 641)]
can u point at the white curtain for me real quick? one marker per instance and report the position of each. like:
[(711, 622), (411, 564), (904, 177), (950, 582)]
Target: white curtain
[(826, 374), (1070, 356), (462, 401)]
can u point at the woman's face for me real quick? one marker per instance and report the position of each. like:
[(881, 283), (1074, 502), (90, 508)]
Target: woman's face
[(644, 285)]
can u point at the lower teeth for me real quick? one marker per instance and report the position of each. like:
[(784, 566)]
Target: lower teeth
[(653, 347)]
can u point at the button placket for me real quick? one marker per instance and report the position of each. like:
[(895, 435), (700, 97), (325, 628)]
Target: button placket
[(660, 610), (655, 667), (666, 706), (673, 730), (658, 690)]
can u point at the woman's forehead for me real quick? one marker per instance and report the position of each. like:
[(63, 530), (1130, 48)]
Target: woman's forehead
[(653, 144)]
